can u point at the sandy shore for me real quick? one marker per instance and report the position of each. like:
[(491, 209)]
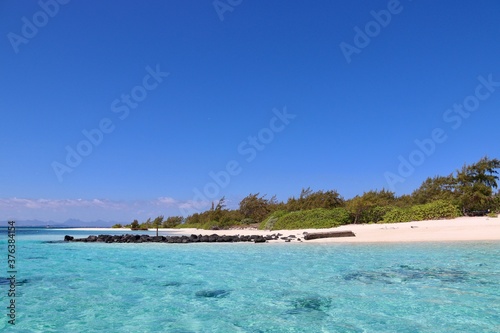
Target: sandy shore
[(460, 229)]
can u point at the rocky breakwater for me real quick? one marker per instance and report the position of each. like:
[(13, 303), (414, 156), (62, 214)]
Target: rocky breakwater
[(214, 238), (177, 239)]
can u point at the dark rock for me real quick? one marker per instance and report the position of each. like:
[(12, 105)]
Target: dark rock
[(214, 238), (330, 234), (260, 239)]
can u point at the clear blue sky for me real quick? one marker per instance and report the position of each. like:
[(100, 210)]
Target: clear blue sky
[(264, 86)]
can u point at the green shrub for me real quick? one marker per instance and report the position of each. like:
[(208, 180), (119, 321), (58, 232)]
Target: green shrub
[(247, 221), (116, 226), (268, 223), (398, 215), (188, 225), (304, 219), (439, 209)]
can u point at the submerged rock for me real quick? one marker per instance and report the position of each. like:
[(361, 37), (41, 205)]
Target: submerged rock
[(217, 293), (405, 273), (312, 303), (7, 281)]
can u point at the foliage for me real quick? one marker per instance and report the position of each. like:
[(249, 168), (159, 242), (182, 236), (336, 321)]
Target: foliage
[(117, 226), (440, 209), (157, 222), (256, 208), (172, 221), (475, 184), (313, 218), (469, 189), (268, 224), (216, 218), (495, 206), (371, 206), (310, 200), (134, 225), (436, 188), (404, 201), (247, 221)]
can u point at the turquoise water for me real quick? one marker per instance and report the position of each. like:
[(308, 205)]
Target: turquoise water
[(95, 287)]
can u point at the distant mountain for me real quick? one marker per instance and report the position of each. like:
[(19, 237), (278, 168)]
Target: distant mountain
[(71, 223)]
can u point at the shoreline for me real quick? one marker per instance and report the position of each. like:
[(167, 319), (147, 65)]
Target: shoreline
[(459, 229)]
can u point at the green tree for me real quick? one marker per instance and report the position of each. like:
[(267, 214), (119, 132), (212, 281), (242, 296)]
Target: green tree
[(404, 201), (134, 225), (216, 212), (157, 222), (309, 199), (371, 206), (475, 184), (496, 203), (254, 208), (436, 188), (172, 221)]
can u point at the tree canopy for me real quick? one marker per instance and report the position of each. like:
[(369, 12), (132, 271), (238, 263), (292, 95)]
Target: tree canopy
[(468, 190)]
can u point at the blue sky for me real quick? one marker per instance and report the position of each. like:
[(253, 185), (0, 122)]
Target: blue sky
[(184, 102)]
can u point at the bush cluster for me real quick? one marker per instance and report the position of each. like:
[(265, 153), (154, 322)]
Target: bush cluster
[(466, 191), (304, 219), (439, 209)]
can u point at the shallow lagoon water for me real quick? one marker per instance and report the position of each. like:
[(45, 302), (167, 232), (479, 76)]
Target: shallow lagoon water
[(282, 287)]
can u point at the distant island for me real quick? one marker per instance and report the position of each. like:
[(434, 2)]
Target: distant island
[(470, 191)]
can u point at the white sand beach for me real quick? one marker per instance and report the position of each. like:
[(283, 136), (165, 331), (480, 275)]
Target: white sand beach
[(459, 229)]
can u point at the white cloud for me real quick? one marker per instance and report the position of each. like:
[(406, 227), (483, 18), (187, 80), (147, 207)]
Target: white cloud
[(167, 201)]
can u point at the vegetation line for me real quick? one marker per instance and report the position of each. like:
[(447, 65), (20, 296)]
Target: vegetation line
[(468, 191)]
